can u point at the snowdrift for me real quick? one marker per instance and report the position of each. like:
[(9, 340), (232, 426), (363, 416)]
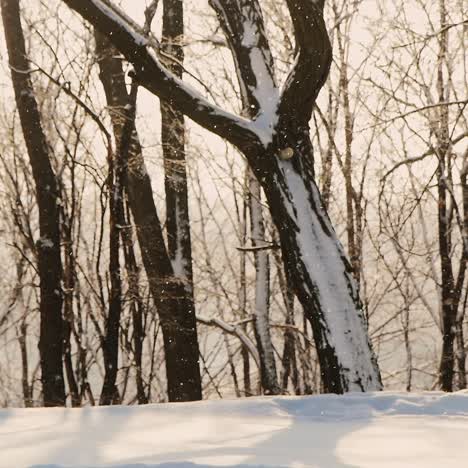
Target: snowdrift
[(357, 430)]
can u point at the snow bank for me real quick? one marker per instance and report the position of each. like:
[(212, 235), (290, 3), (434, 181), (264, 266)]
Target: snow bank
[(357, 430)]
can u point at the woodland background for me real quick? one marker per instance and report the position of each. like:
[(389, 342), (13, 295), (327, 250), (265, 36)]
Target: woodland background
[(390, 133)]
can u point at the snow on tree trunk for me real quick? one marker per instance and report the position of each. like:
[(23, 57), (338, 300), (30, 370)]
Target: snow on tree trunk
[(321, 277)]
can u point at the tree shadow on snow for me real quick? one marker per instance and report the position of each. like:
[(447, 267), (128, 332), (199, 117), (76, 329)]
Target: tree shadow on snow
[(95, 428), (310, 438)]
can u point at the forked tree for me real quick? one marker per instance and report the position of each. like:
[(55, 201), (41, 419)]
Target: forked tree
[(274, 137)]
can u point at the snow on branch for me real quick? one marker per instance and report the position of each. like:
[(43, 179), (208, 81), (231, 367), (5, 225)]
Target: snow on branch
[(135, 45), (259, 248), (234, 330), (243, 26)]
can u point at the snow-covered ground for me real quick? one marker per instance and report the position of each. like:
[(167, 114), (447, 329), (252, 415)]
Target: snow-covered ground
[(374, 431)]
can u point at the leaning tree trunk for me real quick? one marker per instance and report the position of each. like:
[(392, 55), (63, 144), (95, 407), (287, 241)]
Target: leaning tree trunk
[(174, 301), (319, 272), (314, 259), (277, 145), (48, 244)]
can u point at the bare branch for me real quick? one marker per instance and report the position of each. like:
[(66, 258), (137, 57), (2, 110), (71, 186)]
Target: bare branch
[(462, 102), (233, 330), (259, 248), (430, 152)]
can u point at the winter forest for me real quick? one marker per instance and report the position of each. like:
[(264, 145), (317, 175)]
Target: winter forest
[(211, 199)]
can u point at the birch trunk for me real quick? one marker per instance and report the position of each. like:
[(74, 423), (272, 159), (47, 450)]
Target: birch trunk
[(268, 377)]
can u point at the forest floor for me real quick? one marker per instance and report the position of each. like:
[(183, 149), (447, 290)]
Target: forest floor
[(380, 430)]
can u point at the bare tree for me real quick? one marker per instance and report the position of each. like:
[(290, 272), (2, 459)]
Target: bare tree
[(47, 194)]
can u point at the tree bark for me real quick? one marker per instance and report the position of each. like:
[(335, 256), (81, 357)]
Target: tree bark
[(69, 285), (319, 273), (47, 196), (136, 306)]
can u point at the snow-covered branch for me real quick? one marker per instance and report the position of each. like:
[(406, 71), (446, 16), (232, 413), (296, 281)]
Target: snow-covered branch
[(135, 45), (234, 330), (243, 26)]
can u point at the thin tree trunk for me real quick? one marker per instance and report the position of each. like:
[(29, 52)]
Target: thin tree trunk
[(269, 378), (288, 360), (47, 196), (447, 278), (232, 366), (109, 392), (408, 348), (69, 285), (136, 306), (27, 389), (460, 356), (173, 143), (243, 298), (289, 354)]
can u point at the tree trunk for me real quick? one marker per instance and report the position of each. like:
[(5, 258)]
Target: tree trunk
[(269, 378), (448, 306), (288, 361), (243, 297), (319, 272), (172, 298), (173, 142), (136, 305), (69, 285), (27, 389), (48, 244), (109, 392)]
